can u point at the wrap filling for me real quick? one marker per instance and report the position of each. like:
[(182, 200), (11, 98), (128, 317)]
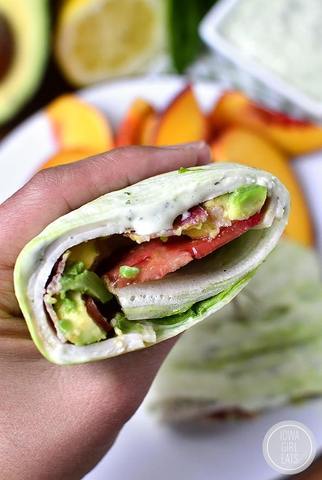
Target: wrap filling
[(81, 294)]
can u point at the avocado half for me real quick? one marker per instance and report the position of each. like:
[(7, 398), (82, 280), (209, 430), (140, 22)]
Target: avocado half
[(24, 28)]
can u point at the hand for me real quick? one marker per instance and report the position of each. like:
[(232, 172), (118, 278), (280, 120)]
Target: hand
[(57, 422)]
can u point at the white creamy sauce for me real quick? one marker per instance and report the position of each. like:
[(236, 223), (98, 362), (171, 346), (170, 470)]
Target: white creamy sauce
[(285, 36), (151, 218)]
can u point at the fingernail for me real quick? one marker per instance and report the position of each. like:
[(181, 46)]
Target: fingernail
[(204, 153), (202, 148), (194, 145)]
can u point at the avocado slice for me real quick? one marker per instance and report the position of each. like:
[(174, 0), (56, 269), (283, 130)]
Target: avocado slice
[(24, 32), (74, 321), (86, 252), (242, 203), (77, 278)]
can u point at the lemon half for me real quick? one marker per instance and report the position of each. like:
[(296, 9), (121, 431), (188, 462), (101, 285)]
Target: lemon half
[(100, 39)]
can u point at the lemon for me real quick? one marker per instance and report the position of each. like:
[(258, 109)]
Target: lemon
[(100, 39)]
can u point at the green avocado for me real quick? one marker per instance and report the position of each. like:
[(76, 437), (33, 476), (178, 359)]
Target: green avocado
[(74, 321), (242, 203), (86, 252), (24, 45), (77, 278)]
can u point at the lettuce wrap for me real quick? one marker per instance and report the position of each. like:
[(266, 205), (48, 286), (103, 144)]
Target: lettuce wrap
[(261, 351), (142, 264)]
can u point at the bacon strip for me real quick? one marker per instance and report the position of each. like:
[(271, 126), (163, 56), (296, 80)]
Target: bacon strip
[(54, 285), (95, 314), (231, 413), (53, 317), (194, 216), (53, 288)]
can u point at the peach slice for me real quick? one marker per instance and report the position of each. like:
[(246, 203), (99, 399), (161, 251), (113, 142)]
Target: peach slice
[(295, 137), (129, 131), (242, 146), (182, 121), (77, 125), (225, 112), (66, 156), (148, 130)]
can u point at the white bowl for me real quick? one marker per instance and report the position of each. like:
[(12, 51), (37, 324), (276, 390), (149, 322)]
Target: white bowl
[(240, 71)]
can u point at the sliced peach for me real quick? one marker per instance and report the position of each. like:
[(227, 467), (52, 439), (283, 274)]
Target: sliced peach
[(66, 156), (182, 121), (129, 131), (242, 146), (148, 131), (226, 110), (295, 137), (78, 125)]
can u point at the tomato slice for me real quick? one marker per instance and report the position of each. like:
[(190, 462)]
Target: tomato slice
[(155, 258)]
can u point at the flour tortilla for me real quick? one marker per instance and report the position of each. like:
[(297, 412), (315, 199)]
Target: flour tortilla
[(157, 310)]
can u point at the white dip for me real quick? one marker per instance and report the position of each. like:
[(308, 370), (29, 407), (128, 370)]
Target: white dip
[(285, 36)]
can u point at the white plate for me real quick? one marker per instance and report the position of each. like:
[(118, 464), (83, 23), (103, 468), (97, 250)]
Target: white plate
[(145, 449)]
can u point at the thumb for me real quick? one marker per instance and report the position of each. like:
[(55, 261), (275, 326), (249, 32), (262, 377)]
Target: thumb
[(56, 191)]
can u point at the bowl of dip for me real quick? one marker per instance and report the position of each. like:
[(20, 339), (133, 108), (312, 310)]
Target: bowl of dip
[(271, 50)]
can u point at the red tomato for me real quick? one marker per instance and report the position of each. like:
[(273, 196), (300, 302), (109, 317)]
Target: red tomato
[(155, 258)]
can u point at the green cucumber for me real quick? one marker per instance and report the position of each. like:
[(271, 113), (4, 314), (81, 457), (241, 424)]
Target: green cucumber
[(183, 18)]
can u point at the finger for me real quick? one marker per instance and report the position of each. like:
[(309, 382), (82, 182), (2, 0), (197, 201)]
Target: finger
[(54, 192)]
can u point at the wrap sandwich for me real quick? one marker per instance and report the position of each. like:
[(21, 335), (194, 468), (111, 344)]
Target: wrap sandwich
[(263, 350), (142, 264)]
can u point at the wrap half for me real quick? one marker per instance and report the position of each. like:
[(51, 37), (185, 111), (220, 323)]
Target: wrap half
[(140, 265), (261, 352)]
